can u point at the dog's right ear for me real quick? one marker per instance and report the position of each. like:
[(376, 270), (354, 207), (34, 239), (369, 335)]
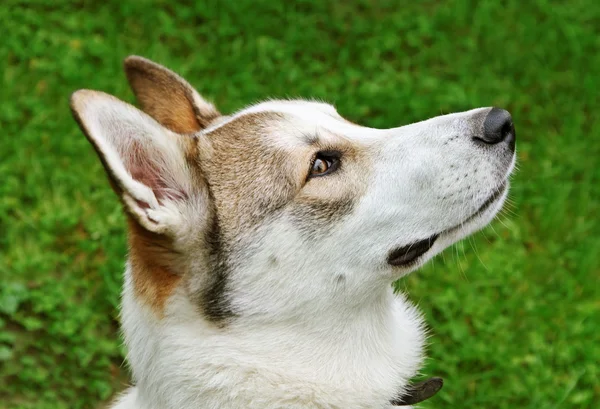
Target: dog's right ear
[(167, 97), (149, 166)]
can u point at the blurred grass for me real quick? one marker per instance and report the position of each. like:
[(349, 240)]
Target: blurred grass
[(514, 312)]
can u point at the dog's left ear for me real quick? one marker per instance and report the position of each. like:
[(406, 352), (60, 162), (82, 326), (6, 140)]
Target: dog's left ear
[(151, 168), (167, 97)]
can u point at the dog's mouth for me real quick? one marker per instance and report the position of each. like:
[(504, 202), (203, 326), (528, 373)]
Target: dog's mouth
[(408, 255)]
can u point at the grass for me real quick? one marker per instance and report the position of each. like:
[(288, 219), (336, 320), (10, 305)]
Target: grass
[(514, 312)]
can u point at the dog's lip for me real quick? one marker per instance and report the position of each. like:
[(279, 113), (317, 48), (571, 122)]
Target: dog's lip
[(408, 255)]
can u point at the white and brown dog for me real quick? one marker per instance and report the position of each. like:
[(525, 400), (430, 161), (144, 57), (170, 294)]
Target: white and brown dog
[(262, 244)]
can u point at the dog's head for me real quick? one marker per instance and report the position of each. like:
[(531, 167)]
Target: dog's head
[(285, 208)]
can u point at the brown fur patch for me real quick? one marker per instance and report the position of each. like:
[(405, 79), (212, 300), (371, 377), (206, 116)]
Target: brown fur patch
[(312, 216), (153, 267), (248, 177)]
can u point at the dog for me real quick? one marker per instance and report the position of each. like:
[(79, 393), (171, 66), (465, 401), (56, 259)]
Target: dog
[(263, 244)]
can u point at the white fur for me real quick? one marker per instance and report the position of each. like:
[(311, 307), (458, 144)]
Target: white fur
[(353, 362)]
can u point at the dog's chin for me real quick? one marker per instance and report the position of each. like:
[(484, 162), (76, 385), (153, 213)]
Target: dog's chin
[(414, 255)]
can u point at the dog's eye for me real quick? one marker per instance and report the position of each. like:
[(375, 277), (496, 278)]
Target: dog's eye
[(324, 163)]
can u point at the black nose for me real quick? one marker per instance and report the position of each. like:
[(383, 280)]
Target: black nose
[(498, 127)]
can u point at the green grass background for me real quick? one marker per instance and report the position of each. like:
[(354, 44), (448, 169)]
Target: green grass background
[(514, 312)]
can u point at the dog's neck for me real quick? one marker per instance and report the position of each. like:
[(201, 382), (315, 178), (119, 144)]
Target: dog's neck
[(350, 359)]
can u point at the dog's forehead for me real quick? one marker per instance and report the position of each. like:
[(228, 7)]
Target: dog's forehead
[(300, 118)]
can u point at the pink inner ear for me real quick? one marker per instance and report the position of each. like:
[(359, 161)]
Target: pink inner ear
[(146, 166)]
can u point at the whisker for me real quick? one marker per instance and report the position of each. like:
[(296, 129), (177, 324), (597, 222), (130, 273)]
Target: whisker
[(474, 245), (494, 230)]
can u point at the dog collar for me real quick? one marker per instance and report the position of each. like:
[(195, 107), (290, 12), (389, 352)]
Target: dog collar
[(419, 392)]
